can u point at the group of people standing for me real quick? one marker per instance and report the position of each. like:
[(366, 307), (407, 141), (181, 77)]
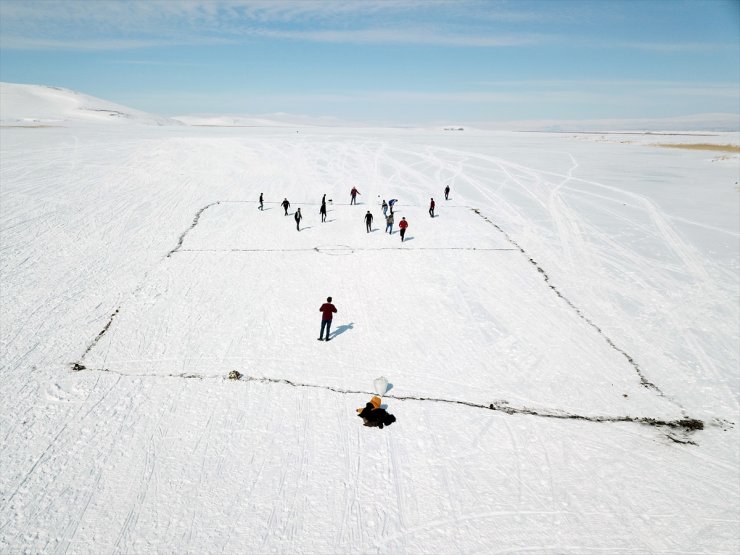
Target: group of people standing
[(387, 208)]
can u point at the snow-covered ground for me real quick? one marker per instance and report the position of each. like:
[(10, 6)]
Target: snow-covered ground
[(570, 284)]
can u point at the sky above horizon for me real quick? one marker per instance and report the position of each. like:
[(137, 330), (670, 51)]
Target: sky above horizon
[(391, 61)]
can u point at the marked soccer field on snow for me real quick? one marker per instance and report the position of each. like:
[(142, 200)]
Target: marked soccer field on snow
[(440, 313)]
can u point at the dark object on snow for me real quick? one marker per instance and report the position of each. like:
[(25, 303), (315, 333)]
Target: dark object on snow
[(376, 417), (76, 367), (235, 375), (327, 312)]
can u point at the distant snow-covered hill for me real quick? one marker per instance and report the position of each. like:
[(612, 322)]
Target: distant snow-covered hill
[(278, 119), (34, 105)]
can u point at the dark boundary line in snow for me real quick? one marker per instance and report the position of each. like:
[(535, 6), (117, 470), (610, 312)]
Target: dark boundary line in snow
[(195, 222), (643, 380), (351, 249), (77, 365), (687, 424)]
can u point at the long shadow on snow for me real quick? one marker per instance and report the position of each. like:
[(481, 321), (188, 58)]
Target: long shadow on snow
[(341, 329)]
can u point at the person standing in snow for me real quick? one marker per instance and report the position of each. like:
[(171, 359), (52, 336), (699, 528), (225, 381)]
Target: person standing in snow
[(353, 195), (391, 203), (384, 206), (322, 210), (389, 223), (298, 219), (431, 208), (447, 192), (285, 204), (262, 206), (368, 221), (327, 313), (403, 224)]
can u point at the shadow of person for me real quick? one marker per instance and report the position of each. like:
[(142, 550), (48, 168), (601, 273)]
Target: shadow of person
[(341, 329)]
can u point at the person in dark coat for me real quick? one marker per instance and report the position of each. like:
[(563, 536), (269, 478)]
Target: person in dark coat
[(389, 223), (431, 208), (368, 221), (384, 207), (298, 219), (374, 416), (403, 224), (322, 210), (353, 195), (447, 192), (327, 313), (285, 204), (262, 206)]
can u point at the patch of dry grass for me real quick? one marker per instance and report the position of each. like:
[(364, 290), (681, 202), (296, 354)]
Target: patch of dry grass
[(702, 146)]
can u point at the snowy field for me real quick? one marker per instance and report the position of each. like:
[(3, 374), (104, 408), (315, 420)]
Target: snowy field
[(580, 286)]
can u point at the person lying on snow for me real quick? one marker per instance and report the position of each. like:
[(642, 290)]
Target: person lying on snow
[(372, 415)]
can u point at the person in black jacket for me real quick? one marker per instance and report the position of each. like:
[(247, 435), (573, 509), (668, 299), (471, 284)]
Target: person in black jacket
[(262, 206), (285, 204), (368, 221), (298, 219), (322, 210), (374, 416)]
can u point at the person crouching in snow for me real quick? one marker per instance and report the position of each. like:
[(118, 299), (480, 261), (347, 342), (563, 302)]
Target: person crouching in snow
[(374, 416)]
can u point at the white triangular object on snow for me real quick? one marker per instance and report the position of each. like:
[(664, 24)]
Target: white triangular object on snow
[(381, 385)]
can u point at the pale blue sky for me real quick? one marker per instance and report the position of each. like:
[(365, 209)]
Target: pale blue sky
[(391, 60)]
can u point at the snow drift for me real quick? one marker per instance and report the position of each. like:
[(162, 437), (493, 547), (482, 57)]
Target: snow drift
[(40, 105)]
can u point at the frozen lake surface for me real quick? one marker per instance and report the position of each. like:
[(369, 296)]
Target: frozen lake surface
[(569, 283)]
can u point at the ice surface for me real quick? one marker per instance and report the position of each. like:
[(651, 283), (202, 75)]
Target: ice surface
[(627, 249)]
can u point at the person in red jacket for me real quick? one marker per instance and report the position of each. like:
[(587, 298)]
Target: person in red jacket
[(327, 311), (403, 224), (353, 195)]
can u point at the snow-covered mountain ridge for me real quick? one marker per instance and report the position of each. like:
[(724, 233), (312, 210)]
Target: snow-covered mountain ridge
[(40, 105)]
